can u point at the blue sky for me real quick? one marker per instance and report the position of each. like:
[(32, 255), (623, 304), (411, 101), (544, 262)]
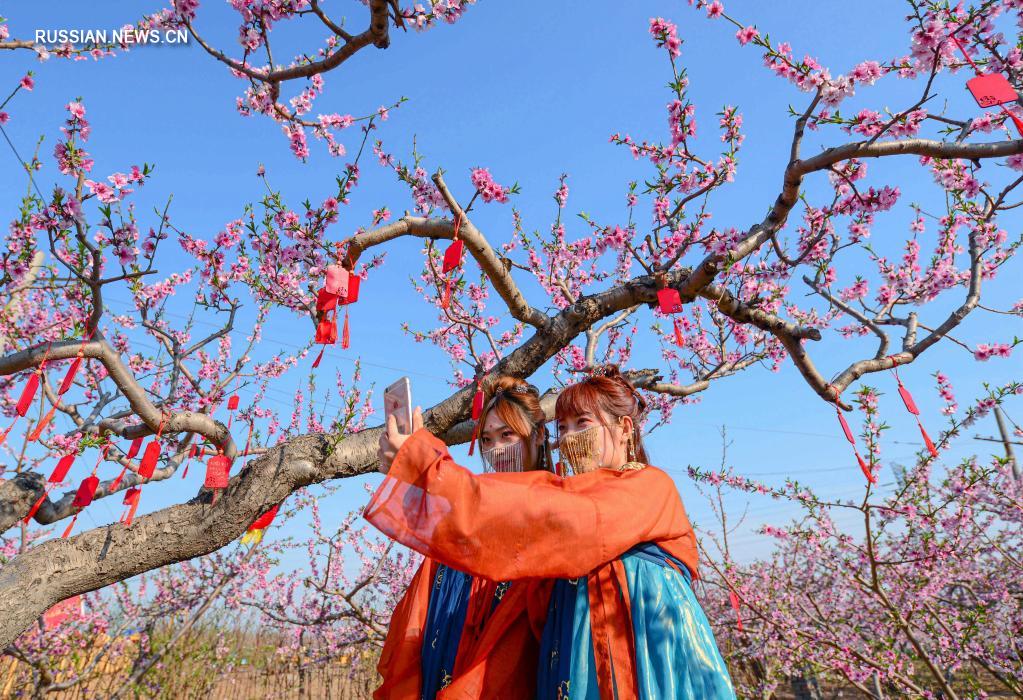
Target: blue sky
[(530, 90)]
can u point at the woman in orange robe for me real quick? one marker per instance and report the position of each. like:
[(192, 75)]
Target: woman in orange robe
[(440, 623), (622, 621)]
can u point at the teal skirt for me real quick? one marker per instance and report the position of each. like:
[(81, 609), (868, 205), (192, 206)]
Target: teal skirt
[(677, 657)]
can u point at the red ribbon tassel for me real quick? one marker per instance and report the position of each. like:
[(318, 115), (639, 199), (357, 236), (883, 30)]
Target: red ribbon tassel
[(27, 394), (445, 300), (679, 339), (35, 508), (117, 480), (477, 402), (734, 600), (41, 425), (4, 434), (852, 441), (70, 527), (345, 333), (907, 399), (69, 377)]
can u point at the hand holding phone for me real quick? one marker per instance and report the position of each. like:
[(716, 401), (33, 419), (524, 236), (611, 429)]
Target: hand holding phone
[(392, 440), (398, 403)]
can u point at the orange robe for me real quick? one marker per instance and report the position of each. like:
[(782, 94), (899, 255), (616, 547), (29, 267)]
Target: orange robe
[(533, 525)]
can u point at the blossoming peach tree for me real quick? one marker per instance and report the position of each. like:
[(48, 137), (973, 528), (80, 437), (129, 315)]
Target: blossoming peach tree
[(103, 405)]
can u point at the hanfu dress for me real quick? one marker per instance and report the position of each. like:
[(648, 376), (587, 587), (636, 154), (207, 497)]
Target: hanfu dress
[(610, 556)]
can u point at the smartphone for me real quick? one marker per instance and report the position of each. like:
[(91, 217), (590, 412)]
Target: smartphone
[(398, 403)]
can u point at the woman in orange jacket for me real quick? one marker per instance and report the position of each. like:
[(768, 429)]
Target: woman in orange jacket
[(622, 621), (438, 626)]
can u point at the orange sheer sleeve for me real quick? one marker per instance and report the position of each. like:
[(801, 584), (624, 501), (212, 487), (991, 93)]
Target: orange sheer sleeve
[(400, 664), (525, 525)]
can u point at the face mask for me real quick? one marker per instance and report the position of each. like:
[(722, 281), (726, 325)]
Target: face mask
[(583, 449), (507, 458)]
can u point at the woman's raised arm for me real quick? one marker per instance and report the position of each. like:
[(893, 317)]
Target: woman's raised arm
[(524, 525)]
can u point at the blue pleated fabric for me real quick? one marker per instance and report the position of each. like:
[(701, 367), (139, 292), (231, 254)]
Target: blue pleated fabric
[(677, 657), (445, 616)]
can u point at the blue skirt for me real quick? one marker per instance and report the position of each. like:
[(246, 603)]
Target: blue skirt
[(677, 657), (445, 618)]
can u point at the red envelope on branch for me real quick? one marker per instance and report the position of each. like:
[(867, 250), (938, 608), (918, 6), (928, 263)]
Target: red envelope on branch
[(452, 256), (669, 301), (149, 459)]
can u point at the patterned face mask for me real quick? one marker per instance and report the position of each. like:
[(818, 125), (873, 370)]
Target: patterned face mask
[(583, 449), (506, 458)]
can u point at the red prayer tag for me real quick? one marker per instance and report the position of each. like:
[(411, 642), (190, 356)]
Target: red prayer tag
[(477, 404), (326, 331), (336, 280), (62, 468), (69, 378), (452, 256), (991, 89), (217, 470), (132, 495), (669, 301), (85, 492), (325, 301), (353, 289), (134, 448), (149, 458), (232, 403), (27, 394)]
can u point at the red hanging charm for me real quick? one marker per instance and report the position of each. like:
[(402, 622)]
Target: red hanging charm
[(149, 459), (734, 600), (41, 425), (131, 500), (354, 281), (669, 301), (69, 377), (452, 256), (477, 402), (325, 301), (61, 470), (27, 394), (218, 469), (336, 280), (326, 331), (35, 508), (232, 403), (345, 333), (865, 468), (85, 493), (134, 448), (990, 89)]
